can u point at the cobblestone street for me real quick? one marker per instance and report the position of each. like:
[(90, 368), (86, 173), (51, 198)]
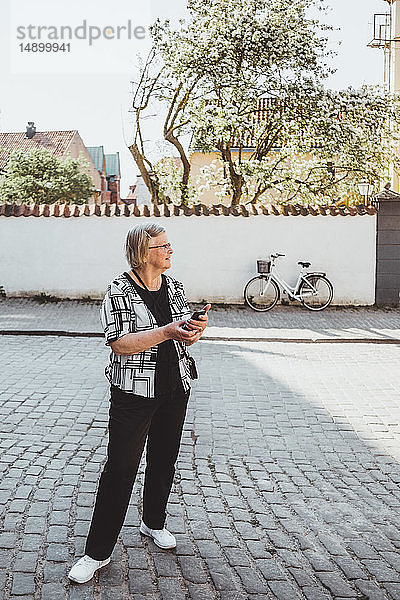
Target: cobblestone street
[(287, 483)]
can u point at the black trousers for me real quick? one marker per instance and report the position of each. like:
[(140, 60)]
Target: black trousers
[(133, 419)]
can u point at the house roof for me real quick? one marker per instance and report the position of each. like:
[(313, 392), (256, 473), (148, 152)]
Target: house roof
[(123, 210), (261, 114), (97, 155), (132, 196), (112, 165), (56, 141)]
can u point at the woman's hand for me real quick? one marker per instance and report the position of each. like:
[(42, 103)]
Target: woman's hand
[(175, 331), (201, 323), (197, 325), (195, 338)]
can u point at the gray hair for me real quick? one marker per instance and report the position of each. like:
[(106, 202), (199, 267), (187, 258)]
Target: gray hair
[(137, 243)]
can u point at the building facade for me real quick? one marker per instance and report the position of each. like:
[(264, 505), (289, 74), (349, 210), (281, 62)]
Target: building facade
[(63, 144), (109, 170)]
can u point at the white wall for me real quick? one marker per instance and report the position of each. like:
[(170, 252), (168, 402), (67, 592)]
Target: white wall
[(214, 256)]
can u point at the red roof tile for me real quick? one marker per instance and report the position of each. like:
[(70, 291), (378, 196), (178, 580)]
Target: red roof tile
[(55, 141), (111, 210)]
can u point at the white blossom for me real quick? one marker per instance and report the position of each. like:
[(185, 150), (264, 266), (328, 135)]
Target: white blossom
[(211, 71)]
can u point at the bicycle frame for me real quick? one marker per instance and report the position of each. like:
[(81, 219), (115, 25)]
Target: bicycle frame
[(291, 291)]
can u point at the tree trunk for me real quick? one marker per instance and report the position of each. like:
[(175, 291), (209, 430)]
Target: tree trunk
[(236, 180), (177, 112), (257, 194), (186, 165), (151, 185)]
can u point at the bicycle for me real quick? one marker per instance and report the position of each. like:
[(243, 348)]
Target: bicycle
[(313, 290)]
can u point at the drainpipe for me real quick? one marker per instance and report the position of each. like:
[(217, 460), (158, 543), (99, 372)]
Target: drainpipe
[(395, 46), (395, 65)]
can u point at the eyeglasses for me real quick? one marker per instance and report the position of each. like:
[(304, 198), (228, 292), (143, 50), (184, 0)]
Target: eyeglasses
[(165, 246)]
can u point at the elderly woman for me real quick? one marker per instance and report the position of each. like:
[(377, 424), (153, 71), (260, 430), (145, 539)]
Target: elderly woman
[(147, 324)]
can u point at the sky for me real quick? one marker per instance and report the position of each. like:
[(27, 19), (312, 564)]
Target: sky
[(88, 87)]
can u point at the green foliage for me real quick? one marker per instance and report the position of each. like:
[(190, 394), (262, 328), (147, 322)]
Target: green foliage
[(40, 177)]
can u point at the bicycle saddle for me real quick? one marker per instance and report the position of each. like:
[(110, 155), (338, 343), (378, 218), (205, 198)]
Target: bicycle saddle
[(304, 264)]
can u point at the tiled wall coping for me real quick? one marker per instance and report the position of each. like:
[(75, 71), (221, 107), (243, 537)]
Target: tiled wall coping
[(123, 210)]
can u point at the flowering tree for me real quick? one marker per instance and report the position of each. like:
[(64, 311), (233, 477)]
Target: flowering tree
[(39, 176), (163, 86), (249, 75)]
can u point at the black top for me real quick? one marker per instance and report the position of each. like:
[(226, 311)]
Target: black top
[(167, 367)]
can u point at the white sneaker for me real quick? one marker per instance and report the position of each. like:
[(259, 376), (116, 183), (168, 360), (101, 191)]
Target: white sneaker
[(85, 568), (162, 537)]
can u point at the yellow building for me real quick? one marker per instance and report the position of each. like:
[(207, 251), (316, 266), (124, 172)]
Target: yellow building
[(201, 159), (205, 159)]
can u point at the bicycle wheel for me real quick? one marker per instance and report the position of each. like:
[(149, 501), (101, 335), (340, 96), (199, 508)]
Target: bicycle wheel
[(316, 292), (261, 293)]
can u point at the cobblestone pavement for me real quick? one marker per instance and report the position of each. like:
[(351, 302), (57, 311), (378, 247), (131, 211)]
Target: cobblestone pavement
[(287, 483), (232, 322)]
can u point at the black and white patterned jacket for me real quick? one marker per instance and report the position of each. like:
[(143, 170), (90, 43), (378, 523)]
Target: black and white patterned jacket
[(123, 311)]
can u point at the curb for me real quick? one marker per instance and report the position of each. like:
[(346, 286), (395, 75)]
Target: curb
[(284, 340), (50, 332), (306, 340)]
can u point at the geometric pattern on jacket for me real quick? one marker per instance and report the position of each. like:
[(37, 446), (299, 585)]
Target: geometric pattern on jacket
[(123, 311)]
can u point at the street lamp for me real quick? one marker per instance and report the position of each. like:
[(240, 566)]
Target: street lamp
[(365, 189)]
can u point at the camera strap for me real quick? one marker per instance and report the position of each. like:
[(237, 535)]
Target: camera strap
[(153, 308), (140, 279)]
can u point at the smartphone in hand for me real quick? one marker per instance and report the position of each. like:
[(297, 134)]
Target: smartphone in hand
[(198, 313)]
